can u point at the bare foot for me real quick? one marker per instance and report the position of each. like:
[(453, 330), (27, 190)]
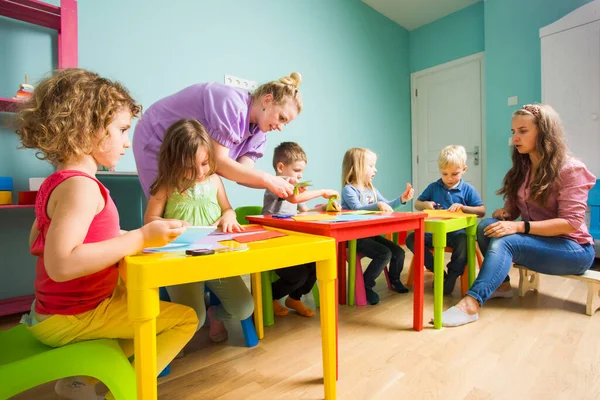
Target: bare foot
[(504, 287)]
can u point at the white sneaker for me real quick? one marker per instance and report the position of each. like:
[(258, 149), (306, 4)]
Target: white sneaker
[(76, 388)]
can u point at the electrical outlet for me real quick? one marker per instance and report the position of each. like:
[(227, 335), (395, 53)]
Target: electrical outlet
[(510, 142), (240, 82), (513, 101)]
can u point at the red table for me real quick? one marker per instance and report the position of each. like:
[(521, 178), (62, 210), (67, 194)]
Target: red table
[(344, 231)]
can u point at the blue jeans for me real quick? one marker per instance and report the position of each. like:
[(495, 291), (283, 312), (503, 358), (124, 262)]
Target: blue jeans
[(549, 255), (381, 252), (457, 240)]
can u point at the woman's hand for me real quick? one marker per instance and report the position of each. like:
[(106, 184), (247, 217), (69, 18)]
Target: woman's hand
[(501, 214), (501, 228), (280, 186), (384, 207), (408, 193)]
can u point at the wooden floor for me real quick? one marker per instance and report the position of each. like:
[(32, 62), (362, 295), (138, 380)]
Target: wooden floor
[(542, 346)]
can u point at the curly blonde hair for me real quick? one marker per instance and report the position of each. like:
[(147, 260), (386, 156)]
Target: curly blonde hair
[(69, 112), (284, 89), (177, 167), (551, 149)]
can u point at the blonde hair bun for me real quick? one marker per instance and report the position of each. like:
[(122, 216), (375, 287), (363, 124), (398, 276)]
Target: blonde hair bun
[(294, 79)]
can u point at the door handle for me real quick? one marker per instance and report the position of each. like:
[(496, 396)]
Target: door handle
[(475, 154)]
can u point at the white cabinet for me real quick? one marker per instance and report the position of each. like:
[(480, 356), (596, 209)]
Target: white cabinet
[(571, 79)]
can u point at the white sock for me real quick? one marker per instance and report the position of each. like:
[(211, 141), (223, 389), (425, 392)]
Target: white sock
[(76, 388), (455, 317)]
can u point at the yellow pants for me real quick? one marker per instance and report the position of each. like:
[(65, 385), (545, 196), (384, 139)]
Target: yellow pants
[(175, 326)]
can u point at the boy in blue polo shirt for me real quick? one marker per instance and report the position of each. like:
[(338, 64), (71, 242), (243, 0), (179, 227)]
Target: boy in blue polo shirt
[(453, 194)]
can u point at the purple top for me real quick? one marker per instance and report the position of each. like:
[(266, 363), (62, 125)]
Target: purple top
[(569, 201), (223, 110)]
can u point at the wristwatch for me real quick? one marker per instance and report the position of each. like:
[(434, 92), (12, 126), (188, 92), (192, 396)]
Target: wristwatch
[(527, 227)]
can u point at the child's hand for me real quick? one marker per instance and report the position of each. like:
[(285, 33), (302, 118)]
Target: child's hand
[(501, 214), (330, 193), (228, 223), (384, 207), (408, 193), (429, 205), (160, 232), (335, 207), (456, 207)]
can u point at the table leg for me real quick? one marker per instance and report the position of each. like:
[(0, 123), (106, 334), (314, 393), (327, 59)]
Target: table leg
[(351, 271), (418, 285), (341, 264), (439, 246), (258, 308), (471, 252), (140, 309), (328, 326)]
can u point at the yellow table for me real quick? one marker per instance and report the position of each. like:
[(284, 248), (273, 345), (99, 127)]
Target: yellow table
[(145, 273), (439, 223)]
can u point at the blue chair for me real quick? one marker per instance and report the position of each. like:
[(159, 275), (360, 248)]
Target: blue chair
[(247, 325)]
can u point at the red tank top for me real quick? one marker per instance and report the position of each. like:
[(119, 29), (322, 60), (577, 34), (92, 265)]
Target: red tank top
[(85, 293)]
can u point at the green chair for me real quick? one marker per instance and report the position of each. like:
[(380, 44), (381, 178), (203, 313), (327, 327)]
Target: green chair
[(26, 363), (242, 212), (267, 277)]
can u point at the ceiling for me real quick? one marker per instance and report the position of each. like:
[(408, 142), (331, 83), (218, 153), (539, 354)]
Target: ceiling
[(411, 14)]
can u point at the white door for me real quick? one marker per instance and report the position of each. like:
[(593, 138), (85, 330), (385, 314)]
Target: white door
[(447, 105), (571, 84)]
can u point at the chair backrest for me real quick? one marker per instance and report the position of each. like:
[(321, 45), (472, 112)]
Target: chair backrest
[(594, 204), (242, 212)]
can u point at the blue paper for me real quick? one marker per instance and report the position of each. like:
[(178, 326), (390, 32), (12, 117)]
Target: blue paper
[(194, 233)]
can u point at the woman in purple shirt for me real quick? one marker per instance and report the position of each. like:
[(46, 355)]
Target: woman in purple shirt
[(548, 189), (236, 121)]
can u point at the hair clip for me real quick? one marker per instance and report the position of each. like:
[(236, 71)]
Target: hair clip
[(533, 109)]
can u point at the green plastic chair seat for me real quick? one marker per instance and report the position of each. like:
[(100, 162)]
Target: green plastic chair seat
[(26, 363)]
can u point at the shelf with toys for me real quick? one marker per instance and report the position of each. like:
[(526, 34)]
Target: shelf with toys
[(62, 19), (11, 105)]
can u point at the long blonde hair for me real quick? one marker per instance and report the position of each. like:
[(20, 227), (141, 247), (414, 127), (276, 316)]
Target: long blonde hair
[(551, 149), (354, 167), (282, 90)]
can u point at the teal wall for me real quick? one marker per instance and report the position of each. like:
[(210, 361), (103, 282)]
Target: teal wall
[(512, 68), (508, 32), (354, 62), (458, 35)]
